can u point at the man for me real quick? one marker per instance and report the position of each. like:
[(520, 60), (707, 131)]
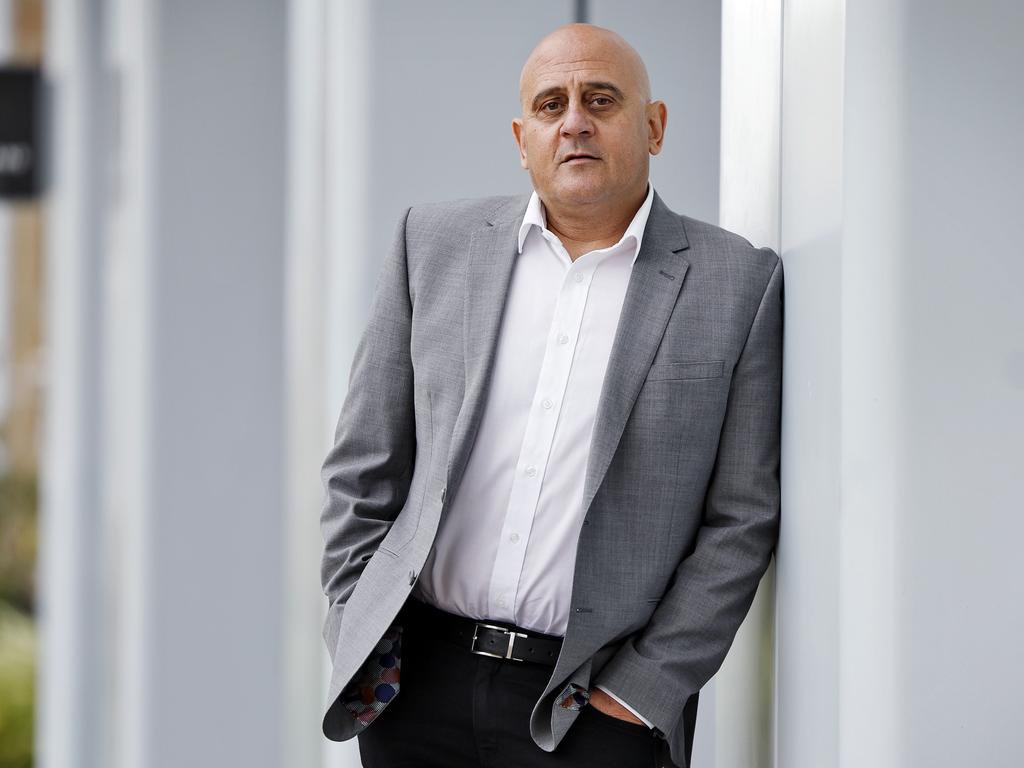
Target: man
[(555, 480)]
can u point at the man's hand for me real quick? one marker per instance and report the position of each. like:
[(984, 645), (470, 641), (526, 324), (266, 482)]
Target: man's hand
[(609, 706)]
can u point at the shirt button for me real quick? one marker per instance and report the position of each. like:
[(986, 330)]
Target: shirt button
[(579, 277), (546, 402), (563, 339), (501, 601), (514, 538), (531, 470)]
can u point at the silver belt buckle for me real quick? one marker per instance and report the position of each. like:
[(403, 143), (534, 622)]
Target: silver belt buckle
[(511, 641)]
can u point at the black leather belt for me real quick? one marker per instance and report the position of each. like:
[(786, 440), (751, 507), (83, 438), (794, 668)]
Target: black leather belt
[(497, 639)]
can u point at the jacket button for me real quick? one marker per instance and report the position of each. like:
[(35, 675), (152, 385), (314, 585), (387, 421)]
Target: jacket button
[(412, 578), (443, 491)]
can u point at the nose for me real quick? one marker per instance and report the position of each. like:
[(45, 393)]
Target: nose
[(577, 120)]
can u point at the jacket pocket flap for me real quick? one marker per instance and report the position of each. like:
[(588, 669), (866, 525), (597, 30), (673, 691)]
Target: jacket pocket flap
[(698, 369)]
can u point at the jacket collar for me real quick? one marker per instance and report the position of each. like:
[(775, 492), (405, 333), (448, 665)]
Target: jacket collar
[(536, 216)]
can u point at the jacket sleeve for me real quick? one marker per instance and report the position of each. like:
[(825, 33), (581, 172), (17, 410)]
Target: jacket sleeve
[(367, 472), (691, 630)]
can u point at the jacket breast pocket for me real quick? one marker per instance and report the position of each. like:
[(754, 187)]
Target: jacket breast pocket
[(686, 369)]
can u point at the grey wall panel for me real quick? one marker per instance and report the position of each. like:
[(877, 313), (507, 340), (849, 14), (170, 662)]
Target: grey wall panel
[(681, 43), (217, 399), (963, 383), (444, 89)]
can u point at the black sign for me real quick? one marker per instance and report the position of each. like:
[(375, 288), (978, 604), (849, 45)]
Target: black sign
[(20, 132)]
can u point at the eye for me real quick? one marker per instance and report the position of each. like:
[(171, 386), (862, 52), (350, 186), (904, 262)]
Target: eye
[(601, 101), (545, 106)]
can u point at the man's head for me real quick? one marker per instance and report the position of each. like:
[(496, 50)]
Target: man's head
[(588, 126)]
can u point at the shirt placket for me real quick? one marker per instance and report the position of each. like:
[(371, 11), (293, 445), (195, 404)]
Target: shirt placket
[(531, 465)]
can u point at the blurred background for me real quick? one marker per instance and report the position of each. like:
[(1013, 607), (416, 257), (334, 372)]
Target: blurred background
[(195, 198)]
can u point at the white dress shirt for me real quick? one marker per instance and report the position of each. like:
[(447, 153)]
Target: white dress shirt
[(507, 546)]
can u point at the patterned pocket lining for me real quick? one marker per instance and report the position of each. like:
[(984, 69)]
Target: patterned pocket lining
[(377, 681), (574, 696)]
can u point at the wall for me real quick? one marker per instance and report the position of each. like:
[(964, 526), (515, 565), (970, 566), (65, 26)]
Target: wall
[(898, 613)]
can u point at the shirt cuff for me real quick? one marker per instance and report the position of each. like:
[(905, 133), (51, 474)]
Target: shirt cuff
[(646, 722)]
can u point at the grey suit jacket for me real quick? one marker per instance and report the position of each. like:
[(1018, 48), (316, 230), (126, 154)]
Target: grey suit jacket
[(681, 494)]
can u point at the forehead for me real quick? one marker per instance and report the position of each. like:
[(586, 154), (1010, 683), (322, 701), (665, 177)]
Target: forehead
[(575, 74), (570, 65)]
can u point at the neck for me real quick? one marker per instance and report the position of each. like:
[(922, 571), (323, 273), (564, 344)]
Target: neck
[(590, 227)]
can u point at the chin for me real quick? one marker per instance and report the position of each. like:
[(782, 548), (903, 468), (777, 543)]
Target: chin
[(580, 194)]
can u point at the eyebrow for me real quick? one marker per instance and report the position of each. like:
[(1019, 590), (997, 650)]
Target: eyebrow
[(591, 86)]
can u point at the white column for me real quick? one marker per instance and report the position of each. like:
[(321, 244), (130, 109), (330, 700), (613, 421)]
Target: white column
[(875, 488), (350, 264), (809, 644), (131, 345), (72, 711), (307, 433), (749, 205)]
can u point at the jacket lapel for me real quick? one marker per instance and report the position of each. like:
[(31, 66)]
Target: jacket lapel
[(650, 297), (489, 260)]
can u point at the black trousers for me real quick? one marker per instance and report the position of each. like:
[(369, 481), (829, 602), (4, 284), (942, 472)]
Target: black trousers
[(457, 709)]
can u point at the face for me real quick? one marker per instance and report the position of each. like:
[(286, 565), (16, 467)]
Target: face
[(587, 129)]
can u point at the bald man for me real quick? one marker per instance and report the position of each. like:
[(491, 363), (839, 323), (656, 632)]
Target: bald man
[(554, 486)]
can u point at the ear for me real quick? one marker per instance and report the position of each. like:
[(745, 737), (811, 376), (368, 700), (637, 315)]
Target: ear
[(657, 118), (517, 131)]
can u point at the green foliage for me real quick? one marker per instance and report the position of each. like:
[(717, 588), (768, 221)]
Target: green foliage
[(18, 546), (18, 540), (17, 687)]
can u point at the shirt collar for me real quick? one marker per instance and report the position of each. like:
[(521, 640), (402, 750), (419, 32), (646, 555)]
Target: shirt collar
[(535, 217)]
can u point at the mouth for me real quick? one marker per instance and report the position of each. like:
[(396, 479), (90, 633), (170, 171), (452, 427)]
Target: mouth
[(578, 157)]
